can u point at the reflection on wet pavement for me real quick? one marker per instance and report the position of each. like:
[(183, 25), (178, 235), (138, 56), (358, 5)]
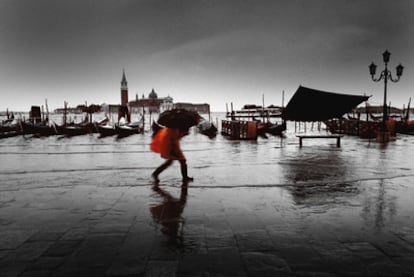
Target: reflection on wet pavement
[(87, 207), (168, 212)]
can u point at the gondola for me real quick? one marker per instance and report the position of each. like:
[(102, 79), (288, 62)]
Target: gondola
[(75, 129), (106, 130), (126, 130), (37, 129)]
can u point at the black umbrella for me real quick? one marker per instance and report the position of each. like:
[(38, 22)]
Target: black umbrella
[(179, 118)]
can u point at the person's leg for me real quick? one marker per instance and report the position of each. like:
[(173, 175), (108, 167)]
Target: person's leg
[(160, 169), (183, 164)]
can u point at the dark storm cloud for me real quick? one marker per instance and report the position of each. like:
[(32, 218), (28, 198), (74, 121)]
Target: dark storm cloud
[(81, 46), (83, 28)]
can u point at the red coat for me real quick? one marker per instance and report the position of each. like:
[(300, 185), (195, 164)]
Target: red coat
[(167, 143)]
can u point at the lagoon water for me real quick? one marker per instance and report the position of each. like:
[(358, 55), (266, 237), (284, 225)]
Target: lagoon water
[(358, 194)]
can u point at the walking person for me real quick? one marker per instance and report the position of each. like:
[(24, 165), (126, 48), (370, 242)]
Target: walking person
[(166, 142)]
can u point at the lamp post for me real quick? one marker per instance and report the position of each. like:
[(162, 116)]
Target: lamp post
[(384, 134)]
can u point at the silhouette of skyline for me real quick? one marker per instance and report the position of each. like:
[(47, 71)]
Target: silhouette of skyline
[(200, 51)]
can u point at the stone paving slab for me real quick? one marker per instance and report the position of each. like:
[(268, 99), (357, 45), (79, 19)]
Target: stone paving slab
[(134, 231)]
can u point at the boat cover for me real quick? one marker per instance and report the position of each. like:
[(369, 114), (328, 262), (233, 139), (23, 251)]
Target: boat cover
[(315, 105)]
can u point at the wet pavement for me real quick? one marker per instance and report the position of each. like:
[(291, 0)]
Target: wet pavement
[(87, 207)]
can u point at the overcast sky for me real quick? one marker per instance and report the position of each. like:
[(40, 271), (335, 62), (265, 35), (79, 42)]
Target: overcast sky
[(200, 51)]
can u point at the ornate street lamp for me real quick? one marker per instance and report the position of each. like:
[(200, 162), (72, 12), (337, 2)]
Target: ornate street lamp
[(385, 75)]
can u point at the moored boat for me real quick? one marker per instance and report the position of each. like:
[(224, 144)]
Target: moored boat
[(353, 127), (106, 130), (275, 129), (10, 128), (207, 128), (9, 125), (75, 129), (37, 129), (128, 129), (404, 127), (253, 121)]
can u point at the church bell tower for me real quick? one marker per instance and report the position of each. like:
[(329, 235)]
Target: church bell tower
[(124, 90)]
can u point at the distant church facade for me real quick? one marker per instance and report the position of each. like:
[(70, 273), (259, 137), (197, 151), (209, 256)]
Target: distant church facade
[(150, 104)]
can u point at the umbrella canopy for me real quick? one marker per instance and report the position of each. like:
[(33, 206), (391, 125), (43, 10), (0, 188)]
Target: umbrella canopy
[(179, 118), (315, 105)]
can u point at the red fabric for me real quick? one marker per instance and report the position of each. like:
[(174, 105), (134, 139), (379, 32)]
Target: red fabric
[(167, 143)]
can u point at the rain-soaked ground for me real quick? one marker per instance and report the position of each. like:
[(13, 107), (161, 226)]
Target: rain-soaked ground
[(85, 206)]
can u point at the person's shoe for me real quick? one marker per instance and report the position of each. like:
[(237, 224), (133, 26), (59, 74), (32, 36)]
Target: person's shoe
[(188, 179), (155, 177)]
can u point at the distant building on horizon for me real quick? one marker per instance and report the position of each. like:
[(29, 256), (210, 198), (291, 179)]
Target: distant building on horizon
[(150, 104), (200, 108), (76, 110)]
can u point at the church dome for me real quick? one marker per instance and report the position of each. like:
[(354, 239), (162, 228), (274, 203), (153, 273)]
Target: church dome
[(153, 95)]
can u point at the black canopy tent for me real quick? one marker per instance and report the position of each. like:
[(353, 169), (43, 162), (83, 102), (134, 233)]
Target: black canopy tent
[(315, 105)]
